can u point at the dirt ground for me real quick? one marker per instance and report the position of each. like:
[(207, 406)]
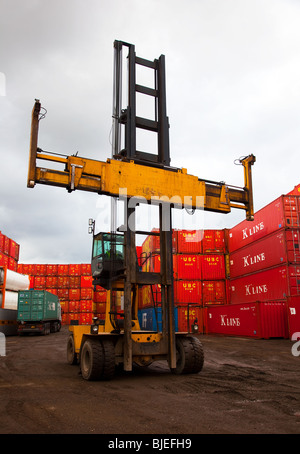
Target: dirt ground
[(247, 386)]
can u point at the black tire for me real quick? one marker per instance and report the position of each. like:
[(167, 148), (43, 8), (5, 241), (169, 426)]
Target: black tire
[(53, 327), (190, 356), (71, 355), (109, 360), (92, 360), (46, 330)]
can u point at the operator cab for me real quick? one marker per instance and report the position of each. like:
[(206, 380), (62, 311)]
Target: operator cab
[(107, 257)]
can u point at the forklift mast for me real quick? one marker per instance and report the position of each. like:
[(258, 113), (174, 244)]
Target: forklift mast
[(160, 126)]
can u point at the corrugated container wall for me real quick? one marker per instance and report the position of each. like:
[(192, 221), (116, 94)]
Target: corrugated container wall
[(281, 213), (277, 248), (273, 284), (259, 320)]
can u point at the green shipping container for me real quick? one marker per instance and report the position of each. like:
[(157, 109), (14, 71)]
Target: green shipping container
[(38, 305)]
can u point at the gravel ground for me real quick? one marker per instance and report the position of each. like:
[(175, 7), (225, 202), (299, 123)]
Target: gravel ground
[(247, 386)]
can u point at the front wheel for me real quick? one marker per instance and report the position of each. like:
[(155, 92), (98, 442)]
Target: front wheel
[(97, 360), (189, 355)]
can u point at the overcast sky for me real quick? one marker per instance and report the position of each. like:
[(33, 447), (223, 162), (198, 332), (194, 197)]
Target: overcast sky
[(233, 88)]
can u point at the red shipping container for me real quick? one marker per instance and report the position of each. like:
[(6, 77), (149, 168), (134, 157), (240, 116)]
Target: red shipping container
[(40, 282), (153, 263), (51, 281), (86, 269), (64, 319), (52, 290), (294, 317), (86, 318), (3, 259), (75, 269), (28, 269), (100, 307), (139, 252), (63, 293), (100, 315), (74, 281), (187, 315), (188, 241), (73, 316), (213, 267), (150, 296), (12, 248), (12, 264), (17, 252), (1, 242), (213, 241), (20, 268), (187, 266), (214, 292), (273, 284), (86, 306), (73, 306), (86, 281), (281, 247), (5, 245), (295, 191), (62, 281), (52, 270), (86, 293), (100, 296), (260, 320), (40, 270), (151, 243), (74, 293), (31, 282), (63, 270), (281, 213), (187, 292)]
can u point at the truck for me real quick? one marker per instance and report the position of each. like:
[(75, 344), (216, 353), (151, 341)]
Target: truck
[(39, 312)]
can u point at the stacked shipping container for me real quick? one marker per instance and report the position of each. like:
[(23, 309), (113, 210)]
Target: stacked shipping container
[(72, 283), (264, 263), (199, 276), (245, 281), (9, 252), (9, 256)]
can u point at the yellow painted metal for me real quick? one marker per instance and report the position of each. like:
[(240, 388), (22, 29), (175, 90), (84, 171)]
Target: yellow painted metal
[(146, 337), (130, 179), (151, 183), (78, 331)]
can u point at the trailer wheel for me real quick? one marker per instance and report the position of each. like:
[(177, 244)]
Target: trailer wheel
[(46, 330), (71, 355), (190, 356), (91, 360)]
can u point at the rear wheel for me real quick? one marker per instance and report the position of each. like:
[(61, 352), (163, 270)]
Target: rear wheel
[(71, 355), (46, 329), (189, 355)]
